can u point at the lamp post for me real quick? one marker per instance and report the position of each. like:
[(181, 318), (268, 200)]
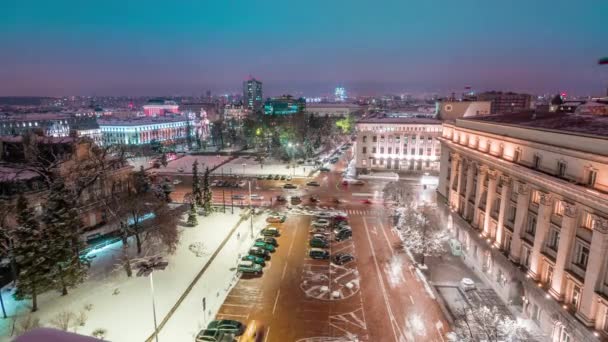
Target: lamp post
[(250, 211), (146, 268)]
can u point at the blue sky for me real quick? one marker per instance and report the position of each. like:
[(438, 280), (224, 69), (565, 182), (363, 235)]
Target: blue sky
[(306, 47)]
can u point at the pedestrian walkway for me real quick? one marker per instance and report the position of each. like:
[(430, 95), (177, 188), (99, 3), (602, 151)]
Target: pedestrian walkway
[(354, 212)]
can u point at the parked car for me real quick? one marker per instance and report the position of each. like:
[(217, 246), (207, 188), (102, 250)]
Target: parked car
[(227, 325), (258, 260), (366, 201), (358, 182), (264, 245), (241, 183), (288, 178), (238, 197), (281, 198), (313, 183), (276, 219), (277, 177), (290, 186), (260, 177), (213, 335), (318, 230), (214, 182), (314, 199), (342, 258), (180, 169), (319, 236), (283, 177), (318, 243), (317, 253), (269, 240), (259, 252), (323, 215), (176, 181), (249, 267), (341, 228), (269, 177), (270, 231), (256, 197), (324, 169), (340, 218), (344, 234), (295, 200), (321, 223)]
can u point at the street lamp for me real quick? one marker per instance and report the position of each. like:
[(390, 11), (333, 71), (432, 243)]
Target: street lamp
[(250, 211), (146, 268)]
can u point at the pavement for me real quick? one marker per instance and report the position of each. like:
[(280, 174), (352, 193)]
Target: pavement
[(377, 297)]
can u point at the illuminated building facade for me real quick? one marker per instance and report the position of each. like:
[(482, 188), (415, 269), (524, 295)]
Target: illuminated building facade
[(284, 105), (138, 131), (340, 94), (399, 144), (534, 188), (252, 94), (159, 107)]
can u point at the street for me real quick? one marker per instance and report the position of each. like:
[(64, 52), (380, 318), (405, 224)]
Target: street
[(377, 297)]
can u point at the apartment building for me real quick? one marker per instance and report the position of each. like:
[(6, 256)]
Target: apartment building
[(534, 188), (397, 143)]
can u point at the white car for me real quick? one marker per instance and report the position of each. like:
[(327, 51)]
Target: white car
[(256, 197), (323, 215), (176, 182), (180, 169), (242, 184), (318, 230), (321, 223)]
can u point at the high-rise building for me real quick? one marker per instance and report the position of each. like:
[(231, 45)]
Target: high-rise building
[(252, 94), (340, 94)]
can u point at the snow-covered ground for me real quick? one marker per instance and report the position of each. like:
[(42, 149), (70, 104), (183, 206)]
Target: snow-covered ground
[(123, 305), (250, 167), (185, 164)]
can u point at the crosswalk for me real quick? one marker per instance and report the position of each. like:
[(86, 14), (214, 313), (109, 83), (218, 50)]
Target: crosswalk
[(354, 212)]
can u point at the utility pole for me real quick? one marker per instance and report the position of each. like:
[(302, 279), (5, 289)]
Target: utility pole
[(250, 211)]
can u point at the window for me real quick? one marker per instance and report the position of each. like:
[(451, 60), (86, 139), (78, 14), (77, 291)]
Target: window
[(508, 239), (525, 257), (390, 150), (381, 161), (561, 168), (364, 139), (587, 221), (381, 150), (373, 161), (549, 274), (581, 254), (564, 336), (531, 224), (511, 213), (536, 161), (364, 150), (396, 150), (413, 151), (429, 151), (558, 208), (591, 177), (375, 139), (535, 197), (576, 296), (553, 239), (364, 162), (420, 151), (437, 151), (373, 150)]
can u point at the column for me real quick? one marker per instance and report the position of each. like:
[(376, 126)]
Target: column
[(453, 176), (543, 222), (566, 237), (469, 188), (482, 173), (597, 254), (493, 175), (523, 201), (504, 204), (461, 179)]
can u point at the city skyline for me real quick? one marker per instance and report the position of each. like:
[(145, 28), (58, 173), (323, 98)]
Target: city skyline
[(72, 48)]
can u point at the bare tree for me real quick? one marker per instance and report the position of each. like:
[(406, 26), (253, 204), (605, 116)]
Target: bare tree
[(482, 323), (420, 231)]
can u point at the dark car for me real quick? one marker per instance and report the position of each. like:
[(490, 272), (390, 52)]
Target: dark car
[(259, 252), (296, 200), (313, 183), (324, 169), (317, 253), (277, 177), (344, 234), (227, 325), (270, 231), (318, 243), (269, 240), (314, 199), (281, 198), (283, 177), (342, 258), (269, 177), (290, 186), (258, 260)]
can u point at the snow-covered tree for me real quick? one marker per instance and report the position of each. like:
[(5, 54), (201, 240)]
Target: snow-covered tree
[(164, 190), (192, 220), (31, 253), (420, 231), (482, 323), (197, 193), (207, 195), (62, 226)]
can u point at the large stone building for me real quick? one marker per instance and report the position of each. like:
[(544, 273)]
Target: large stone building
[(389, 143), (333, 109), (144, 130), (534, 188), (506, 102), (158, 107), (284, 105)]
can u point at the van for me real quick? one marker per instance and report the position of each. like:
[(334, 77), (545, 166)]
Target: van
[(253, 333)]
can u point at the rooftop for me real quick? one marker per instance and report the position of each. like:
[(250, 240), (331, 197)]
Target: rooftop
[(400, 120), (140, 121), (584, 124)]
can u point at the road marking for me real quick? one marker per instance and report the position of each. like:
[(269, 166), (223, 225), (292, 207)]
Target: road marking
[(284, 269), (386, 238), (439, 327), (240, 305), (276, 300), (387, 304), (411, 299), (233, 315), (267, 333), (362, 194)]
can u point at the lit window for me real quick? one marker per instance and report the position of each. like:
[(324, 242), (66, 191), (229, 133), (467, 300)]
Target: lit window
[(581, 254), (531, 225), (553, 239), (558, 208), (535, 197)]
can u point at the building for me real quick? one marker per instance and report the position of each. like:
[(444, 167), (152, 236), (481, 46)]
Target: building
[(158, 107), (47, 124), (452, 110), (534, 188), (333, 109), (385, 143), (506, 102), (284, 105), (235, 112), (252, 94), (144, 130), (340, 94)]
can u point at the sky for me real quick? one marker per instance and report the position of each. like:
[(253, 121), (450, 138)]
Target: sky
[(131, 47)]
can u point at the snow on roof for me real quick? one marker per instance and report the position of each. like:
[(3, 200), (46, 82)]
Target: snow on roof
[(53, 335)]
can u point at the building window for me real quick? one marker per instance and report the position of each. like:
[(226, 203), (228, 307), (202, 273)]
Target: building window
[(381, 161), (511, 213), (553, 239), (396, 150), (535, 197), (531, 224), (381, 150), (375, 138), (437, 151), (364, 162), (373, 150), (587, 221), (373, 161), (420, 151), (364, 139), (561, 168), (364, 150), (591, 177), (390, 150), (576, 296), (429, 151), (581, 254), (526, 257), (413, 151), (558, 208), (536, 161), (564, 336)]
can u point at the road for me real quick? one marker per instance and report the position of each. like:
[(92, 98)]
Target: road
[(378, 297)]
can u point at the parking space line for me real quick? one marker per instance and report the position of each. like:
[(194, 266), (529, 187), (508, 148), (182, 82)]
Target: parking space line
[(233, 315), (267, 333), (276, 300), (411, 299), (284, 269), (239, 305)]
